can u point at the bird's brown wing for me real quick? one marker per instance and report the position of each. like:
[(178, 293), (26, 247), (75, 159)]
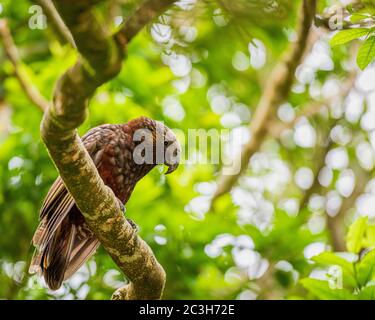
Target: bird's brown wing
[(63, 241), (55, 208)]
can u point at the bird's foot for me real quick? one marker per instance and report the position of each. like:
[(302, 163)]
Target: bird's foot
[(122, 207), (133, 224)]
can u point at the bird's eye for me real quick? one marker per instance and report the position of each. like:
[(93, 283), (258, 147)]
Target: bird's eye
[(166, 143)]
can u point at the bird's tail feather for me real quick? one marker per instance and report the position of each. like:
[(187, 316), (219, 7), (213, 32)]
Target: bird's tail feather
[(63, 255)]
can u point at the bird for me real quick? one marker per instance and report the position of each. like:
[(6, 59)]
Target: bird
[(123, 154)]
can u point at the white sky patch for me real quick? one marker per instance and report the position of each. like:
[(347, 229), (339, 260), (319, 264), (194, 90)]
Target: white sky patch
[(353, 106), (368, 121), (333, 203), (331, 88), (316, 223), (258, 269), (182, 85), (315, 89), (290, 206), (305, 135), (243, 112), (179, 64), (119, 98), (325, 176), (346, 183), (305, 74), (317, 202), (160, 240), (314, 249), (247, 295), (112, 278), (371, 101), (372, 139), (237, 138), (161, 33), (337, 158), (118, 20), (366, 205), (173, 109), (244, 241), (299, 88), (83, 291), (286, 112), (341, 135), (186, 4), (240, 61), (213, 251), (219, 18), (258, 54), (230, 120), (206, 188), (320, 57), (198, 207), (198, 79), (189, 33), (370, 187), (365, 155), (220, 104), (366, 79), (304, 178), (244, 258), (16, 163)]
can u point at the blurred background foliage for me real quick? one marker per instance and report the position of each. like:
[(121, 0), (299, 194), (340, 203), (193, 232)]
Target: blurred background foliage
[(204, 65)]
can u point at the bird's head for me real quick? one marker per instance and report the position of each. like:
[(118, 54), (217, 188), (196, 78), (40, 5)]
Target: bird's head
[(167, 141), (155, 143)]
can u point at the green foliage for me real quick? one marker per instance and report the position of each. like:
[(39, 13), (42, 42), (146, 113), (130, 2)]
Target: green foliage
[(322, 290), (355, 276), (366, 53), (346, 36), (362, 19), (356, 234), (257, 243)]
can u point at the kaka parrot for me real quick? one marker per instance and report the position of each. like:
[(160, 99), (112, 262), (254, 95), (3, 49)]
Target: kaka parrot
[(63, 240)]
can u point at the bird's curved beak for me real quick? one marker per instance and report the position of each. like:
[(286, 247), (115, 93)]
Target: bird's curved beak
[(172, 156), (172, 167)]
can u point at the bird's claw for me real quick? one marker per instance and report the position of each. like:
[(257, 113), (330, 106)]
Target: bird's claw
[(122, 207), (133, 224)]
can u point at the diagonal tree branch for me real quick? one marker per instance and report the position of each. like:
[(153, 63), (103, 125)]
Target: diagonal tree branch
[(101, 58), (57, 23), (12, 54), (276, 91), (335, 225), (145, 13)]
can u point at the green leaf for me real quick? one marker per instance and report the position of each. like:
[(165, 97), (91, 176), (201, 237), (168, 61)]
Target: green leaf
[(356, 234), (329, 258), (346, 36), (365, 268), (366, 53), (367, 293), (321, 290), (369, 8), (370, 236), (358, 17)]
